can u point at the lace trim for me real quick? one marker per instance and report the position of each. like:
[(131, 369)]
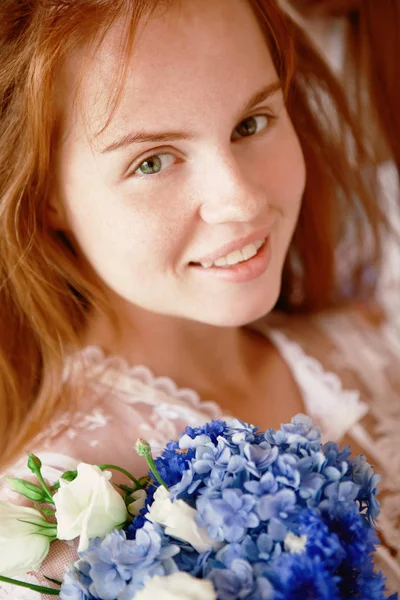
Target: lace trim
[(96, 360), (334, 408)]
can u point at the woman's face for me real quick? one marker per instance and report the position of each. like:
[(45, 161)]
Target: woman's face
[(188, 163)]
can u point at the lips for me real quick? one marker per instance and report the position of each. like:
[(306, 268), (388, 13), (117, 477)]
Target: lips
[(258, 245), (239, 244)]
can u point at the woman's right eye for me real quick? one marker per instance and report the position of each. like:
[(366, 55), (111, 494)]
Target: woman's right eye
[(154, 164)]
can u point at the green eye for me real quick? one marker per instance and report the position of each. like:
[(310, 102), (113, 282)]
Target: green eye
[(154, 164), (251, 126), (150, 166)]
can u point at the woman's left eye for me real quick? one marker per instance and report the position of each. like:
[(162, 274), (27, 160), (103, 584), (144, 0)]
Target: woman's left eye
[(154, 164), (251, 126)]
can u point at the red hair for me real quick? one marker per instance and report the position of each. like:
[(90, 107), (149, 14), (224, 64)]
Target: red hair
[(44, 298)]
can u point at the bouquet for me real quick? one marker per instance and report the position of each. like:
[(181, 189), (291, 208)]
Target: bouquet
[(226, 512)]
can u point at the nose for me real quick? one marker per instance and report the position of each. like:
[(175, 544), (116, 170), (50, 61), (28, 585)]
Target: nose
[(229, 190)]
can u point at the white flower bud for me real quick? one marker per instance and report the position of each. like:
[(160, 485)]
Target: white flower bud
[(139, 499)]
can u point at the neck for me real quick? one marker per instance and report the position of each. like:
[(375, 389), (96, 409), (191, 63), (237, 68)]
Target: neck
[(193, 354)]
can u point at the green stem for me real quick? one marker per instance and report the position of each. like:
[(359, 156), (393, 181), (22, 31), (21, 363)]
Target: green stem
[(44, 486), (153, 468), (36, 588), (121, 470)]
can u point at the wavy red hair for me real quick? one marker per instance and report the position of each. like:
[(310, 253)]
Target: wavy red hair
[(44, 298)]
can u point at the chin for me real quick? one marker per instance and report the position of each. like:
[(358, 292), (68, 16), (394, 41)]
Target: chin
[(240, 316)]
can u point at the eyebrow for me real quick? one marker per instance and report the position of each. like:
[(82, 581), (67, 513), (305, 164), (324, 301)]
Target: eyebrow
[(170, 136)]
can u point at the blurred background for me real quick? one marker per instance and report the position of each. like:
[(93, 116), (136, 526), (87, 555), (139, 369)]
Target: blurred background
[(361, 41)]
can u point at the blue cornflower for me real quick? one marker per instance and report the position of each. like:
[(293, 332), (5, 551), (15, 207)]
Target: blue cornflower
[(321, 541), (357, 538), (301, 577), (213, 429), (172, 463), (228, 517), (188, 484)]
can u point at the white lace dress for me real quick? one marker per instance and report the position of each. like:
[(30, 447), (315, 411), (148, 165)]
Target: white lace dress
[(361, 406)]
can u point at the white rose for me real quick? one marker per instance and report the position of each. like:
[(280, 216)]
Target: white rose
[(178, 586), (179, 520), (88, 506), (25, 538)]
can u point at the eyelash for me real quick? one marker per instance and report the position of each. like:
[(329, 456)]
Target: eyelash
[(269, 117)]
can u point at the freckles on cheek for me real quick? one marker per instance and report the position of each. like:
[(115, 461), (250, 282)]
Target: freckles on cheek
[(289, 173)]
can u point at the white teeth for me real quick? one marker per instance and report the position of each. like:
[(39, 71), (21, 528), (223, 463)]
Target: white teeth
[(206, 265), (236, 257)]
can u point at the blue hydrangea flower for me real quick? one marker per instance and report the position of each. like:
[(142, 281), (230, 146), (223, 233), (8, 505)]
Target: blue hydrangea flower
[(227, 518), (286, 471), (259, 457), (365, 476), (238, 432), (267, 484), (108, 566), (72, 589), (239, 582), (339, 495), (276, 506), (251, 489)]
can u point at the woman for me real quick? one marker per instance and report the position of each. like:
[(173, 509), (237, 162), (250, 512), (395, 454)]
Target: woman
[(144, 152)]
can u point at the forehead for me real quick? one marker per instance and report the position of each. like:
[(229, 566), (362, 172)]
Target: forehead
[(184, 60)]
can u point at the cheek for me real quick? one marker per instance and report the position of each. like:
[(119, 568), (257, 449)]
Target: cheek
[(284, 171)]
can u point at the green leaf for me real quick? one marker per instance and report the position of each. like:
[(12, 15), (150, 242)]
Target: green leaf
[(47, 511), (69, 475), (44, 528), (125, 488), (53, 580), (28, 489)]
